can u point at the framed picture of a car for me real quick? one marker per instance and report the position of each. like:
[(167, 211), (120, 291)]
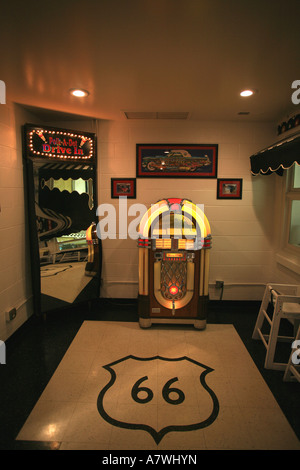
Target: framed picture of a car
[(176, 160)]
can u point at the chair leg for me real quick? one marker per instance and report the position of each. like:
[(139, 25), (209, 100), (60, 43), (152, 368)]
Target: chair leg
[(269, 360), (260, 316), (288, 373)]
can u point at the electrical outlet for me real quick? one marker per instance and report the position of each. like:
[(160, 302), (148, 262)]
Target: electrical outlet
[(11, 314), (219, 284)]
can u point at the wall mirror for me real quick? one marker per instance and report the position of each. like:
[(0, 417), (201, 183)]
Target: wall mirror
[(62, 203)]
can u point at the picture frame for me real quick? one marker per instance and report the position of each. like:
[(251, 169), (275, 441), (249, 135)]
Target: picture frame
[(123, 187), (229, 188), (176, 160)]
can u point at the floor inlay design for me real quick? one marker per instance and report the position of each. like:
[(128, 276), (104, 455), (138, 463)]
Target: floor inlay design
[(119, 387), (141, 394)]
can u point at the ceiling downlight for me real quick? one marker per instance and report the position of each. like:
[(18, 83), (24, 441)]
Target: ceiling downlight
[(248, 92), (79, 92)]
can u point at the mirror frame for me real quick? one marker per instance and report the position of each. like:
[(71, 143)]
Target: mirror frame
[(32, 154)]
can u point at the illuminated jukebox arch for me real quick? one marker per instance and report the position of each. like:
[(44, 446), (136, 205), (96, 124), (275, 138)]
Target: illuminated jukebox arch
[(174, 242)]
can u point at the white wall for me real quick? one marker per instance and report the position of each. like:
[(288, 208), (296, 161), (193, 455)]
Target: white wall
[(15, 280), (242, 230), (245, 232)]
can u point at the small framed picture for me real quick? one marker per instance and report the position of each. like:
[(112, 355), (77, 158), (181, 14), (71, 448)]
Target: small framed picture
[(229, 188), (123, 187)]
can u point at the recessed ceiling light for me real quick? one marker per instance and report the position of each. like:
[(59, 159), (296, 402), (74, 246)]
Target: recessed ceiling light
[(246, 92), (79, 93)]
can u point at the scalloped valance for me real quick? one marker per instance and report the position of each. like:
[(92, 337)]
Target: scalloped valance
[(65, 171), (277, 158)]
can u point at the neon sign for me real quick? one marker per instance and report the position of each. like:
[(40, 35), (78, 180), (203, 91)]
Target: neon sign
[(59, 144)]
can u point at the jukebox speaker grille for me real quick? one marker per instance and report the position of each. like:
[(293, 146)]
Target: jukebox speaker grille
[(173, 279)]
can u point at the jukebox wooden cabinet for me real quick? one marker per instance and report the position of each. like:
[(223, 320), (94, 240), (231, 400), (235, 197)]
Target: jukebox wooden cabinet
[(174, 244)]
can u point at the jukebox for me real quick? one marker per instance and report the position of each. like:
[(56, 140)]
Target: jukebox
[(174, 242)]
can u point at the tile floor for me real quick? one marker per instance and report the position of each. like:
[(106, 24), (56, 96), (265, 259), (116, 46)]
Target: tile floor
[(87, 406)]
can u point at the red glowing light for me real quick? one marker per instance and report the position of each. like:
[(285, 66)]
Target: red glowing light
[(174, 200), (173, 290)]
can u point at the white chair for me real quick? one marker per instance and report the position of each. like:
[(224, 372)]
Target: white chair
[(286, 301), (292, 371)]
